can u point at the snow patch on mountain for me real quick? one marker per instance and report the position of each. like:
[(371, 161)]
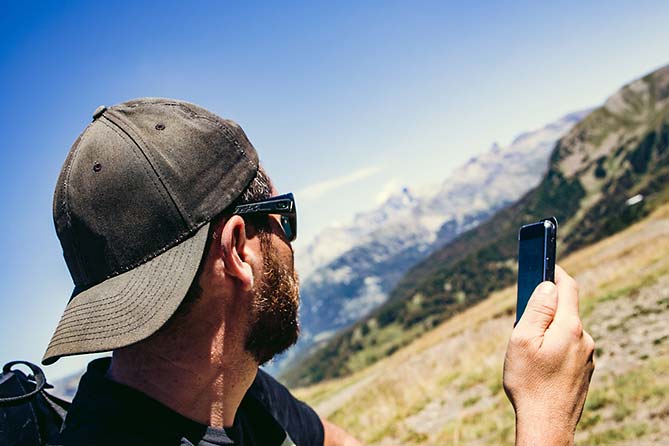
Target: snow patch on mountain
[(348, 270), (370, 297)]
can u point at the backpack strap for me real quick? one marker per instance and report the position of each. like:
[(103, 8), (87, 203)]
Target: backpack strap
[(29, 415), (38, 375), (19, 424), (58, 406)]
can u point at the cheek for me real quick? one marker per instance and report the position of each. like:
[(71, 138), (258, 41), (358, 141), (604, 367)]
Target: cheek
[(284, 251)]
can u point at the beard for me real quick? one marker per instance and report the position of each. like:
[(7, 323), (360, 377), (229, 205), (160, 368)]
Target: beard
[(275, 303)]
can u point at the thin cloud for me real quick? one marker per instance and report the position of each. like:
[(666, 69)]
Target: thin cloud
[(317, 190)]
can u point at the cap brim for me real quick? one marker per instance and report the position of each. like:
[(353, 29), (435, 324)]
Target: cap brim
[(129, 307)]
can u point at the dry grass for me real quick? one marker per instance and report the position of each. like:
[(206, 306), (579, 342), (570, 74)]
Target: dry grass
[(445, 387)]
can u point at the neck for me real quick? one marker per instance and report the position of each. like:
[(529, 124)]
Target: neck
[(204, 381)]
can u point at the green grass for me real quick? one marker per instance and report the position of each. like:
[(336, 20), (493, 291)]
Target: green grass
[(617, 434), (494, 426), (615, 400), (447, 379), (588, 305), (496, 385), (380, 343), (412, 437), (619, 399), (589, 419), (476, 377), (471, 401), (597, 399), (661, 340)]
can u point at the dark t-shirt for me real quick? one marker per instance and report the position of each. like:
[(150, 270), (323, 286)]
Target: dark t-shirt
[(107, 413)]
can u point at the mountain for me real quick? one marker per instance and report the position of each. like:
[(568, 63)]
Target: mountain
[(524, 160), (348, 271), (619, 151), (445, 387)]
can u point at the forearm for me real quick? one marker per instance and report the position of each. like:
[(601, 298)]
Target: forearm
[(336, 436)]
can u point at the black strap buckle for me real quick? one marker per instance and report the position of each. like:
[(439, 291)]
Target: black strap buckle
[(37, 376)]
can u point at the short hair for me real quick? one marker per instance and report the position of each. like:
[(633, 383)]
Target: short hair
[(260, 188)]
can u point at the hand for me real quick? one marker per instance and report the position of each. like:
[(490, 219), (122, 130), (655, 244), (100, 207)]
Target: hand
[(548, 365)]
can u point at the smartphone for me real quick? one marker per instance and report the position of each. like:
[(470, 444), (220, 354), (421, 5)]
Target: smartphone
[(536, 259)]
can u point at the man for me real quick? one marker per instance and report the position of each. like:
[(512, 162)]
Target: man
[(179, 248)]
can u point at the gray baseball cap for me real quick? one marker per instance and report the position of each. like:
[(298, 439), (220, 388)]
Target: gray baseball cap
[(132, 208)]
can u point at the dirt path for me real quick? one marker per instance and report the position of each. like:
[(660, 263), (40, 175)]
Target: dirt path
[(338, 400)]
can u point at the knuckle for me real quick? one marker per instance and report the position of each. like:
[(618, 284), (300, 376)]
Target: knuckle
[(516, 337), (575, 327), (589, 342), (519, 339)]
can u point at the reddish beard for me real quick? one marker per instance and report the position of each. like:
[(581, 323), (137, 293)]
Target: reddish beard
[(275, 304)]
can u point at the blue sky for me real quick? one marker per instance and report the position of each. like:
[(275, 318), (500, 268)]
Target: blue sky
[(341, 99)]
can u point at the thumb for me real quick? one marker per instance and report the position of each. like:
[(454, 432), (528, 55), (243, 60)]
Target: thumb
[(540, 310)]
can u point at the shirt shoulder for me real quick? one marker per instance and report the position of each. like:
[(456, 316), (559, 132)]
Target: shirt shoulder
[(296, 417)]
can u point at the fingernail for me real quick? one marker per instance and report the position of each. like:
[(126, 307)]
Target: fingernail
[(546, 288)]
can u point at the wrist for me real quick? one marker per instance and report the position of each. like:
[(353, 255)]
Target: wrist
[(537, 432)]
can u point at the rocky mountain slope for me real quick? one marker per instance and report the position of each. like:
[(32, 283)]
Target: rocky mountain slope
[(445, 387), (348, 271), (618, 152)]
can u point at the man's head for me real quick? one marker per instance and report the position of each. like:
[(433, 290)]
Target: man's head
[(145, 211), (247, 271)]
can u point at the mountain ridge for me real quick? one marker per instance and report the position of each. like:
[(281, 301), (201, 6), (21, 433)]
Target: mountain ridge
[(617, 151), (410, 224)]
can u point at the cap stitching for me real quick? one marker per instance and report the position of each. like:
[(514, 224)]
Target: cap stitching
[(123, 136), (227, 133), (182, 236), (66, 200), (226, 130), (74, 312), (230, 137), (81, 307), (189, 231), (156, 167), (143, 260), (71, 315), (140, 305), (118, 327), (142, 286)]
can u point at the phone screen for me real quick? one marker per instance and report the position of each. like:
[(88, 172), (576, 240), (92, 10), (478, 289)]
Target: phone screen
[(530, 267)]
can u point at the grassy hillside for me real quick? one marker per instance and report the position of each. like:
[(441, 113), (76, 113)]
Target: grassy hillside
[(445, 387), (621, 149)]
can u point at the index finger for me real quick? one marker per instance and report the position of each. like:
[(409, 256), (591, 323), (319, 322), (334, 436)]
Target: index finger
[(567, 306)]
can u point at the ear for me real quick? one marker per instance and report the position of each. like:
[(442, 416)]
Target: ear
[(236, 252)]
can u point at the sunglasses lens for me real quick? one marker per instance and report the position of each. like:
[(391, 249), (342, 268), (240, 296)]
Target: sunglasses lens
[(288, 227)]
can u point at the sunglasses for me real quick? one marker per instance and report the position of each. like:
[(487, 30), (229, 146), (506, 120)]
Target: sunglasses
[(283, 205)]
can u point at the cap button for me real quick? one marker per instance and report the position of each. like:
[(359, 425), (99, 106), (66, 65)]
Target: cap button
[(99, 111)]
